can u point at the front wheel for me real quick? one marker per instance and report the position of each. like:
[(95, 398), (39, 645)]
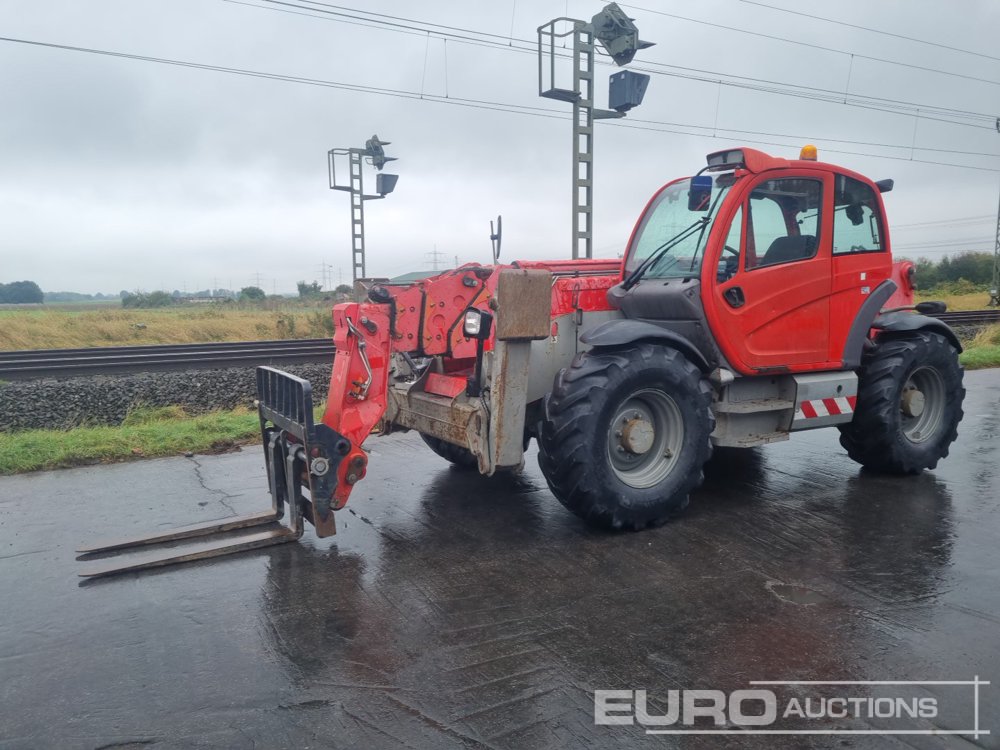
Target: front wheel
[(625, 435), (909, 405)]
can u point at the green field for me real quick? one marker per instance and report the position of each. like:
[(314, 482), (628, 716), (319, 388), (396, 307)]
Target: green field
[(957, 302), (168, 431), (69, 327)]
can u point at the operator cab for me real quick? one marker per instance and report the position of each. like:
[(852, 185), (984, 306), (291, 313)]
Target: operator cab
[(762, 263)]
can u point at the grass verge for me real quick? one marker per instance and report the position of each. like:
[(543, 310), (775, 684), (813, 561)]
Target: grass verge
[(955, 302), (146, 433), (982, 350), (169, 431)]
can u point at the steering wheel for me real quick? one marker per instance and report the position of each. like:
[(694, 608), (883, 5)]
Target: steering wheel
[(728, 265)]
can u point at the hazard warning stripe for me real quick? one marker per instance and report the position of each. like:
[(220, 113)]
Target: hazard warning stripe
[(826, 407)]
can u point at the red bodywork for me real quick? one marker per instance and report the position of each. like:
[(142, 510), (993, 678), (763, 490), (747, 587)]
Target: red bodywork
[(424, 319), (797, 318), (797, 315)]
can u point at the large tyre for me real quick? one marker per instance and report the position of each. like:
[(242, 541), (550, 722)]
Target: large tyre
[(625, 435), (909, 404), (461, 457)]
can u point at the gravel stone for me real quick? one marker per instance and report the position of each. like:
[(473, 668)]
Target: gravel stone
[(107, 399)]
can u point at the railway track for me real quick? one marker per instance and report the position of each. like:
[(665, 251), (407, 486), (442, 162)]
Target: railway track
[(113, 360), (67, 363), (970, 317)]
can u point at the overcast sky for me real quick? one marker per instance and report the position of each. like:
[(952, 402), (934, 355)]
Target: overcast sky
[(124, 174)]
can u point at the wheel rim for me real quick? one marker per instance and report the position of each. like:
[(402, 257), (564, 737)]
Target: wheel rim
[(921, 404), (645, 438)]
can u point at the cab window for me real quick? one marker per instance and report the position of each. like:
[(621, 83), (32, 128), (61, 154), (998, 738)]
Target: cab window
[(783, 220), (729, 262), (857, 225)]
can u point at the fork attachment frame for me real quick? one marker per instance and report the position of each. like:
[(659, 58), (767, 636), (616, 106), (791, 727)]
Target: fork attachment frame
[(299, 455)]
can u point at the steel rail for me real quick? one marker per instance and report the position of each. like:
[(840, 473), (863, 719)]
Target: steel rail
[(970, 317), (67, 363)]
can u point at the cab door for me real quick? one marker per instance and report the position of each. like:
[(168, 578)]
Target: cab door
[(861, 259), (771, 292)]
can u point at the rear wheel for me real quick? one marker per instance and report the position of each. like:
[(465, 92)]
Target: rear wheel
[(461, 457), (909, 405), (625, 435)]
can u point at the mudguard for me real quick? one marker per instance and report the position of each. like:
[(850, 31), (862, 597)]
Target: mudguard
[(902, 321), (621, 332), (862, 324)]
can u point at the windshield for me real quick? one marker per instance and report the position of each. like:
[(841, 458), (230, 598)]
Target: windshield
[(669, 217)]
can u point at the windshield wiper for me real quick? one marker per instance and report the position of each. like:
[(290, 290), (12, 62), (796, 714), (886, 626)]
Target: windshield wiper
[(633, 278)]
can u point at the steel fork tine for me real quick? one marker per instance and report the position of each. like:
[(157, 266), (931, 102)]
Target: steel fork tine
[(183, 532), (200, 552)]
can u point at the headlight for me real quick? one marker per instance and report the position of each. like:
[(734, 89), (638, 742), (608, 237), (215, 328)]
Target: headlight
[(477, 324), (473, 322)]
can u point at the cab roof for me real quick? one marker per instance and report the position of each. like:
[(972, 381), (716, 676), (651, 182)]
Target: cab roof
[(755, 161)]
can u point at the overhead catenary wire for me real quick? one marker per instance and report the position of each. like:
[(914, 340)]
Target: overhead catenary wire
[(814, 136), (982, 218), (812, 45), (510, 37), (943, 243), (399, 24), (903, 253), (894, 35), (534, 111)]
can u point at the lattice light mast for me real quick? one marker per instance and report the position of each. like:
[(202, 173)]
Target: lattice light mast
[(995, 283), (620, 39), (373, 153)]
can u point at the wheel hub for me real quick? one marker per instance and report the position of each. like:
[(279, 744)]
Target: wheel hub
[(645, 438), (913, 403), (921, 404), (637, 436)]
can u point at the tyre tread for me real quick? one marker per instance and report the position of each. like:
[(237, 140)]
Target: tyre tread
[(872, 438), (568, 432)]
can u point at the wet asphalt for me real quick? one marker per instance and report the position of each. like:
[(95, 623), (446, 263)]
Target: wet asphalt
[(453, 610)]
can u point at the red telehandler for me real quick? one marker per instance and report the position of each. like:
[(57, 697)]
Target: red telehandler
[(755, 299)]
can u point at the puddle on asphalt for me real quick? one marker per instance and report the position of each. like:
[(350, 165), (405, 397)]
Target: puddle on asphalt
[(795, 594)]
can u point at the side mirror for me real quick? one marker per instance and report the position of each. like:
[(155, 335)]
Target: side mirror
[(700, 193), (931, 307)]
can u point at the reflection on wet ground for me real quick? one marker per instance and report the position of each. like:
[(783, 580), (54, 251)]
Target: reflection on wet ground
[(453, 610)]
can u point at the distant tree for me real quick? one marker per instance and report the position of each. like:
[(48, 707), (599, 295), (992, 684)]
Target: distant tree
[(151, 299), (944, 269), (974, 267), (309, 290), (343, 289), (20, 293), (252, 293), (955, 274), (927, 273), (158, 299)]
